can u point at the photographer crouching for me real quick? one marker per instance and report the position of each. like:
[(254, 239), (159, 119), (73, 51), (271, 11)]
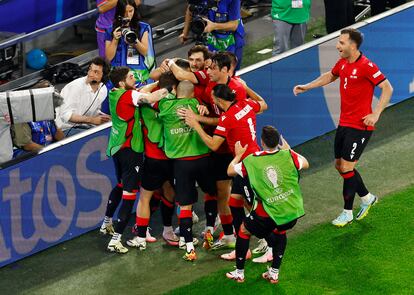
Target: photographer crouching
[(217, 24), (129, 42)]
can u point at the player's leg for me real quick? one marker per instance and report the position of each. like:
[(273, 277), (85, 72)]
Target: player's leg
[(277, 240), (142, 219), (345, 168), (242, 246), (167, 212), (347, 153), (115, 197), (186, 195), (223, 184), (131, 164)]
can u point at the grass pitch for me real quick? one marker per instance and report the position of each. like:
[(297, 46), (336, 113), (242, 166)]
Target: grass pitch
[(371, 256)]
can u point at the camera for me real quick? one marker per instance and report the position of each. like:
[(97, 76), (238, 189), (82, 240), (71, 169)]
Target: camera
[(129, 35), (199, 9)]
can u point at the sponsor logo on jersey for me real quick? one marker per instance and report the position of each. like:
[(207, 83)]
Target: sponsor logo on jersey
[(181, 130), (353, 75), (243, 112)]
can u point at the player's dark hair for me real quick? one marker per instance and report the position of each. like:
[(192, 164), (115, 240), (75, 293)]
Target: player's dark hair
[(182, 63), (221, 59), (354, 35), (199, 48), (168, 81), (224, 92), (233, 58), (118, 74), (270, 136)]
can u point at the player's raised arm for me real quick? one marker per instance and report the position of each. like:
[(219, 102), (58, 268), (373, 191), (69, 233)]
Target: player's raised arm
[(322, 80)]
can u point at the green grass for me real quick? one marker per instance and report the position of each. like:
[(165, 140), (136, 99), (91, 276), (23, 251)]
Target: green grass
[(372, 256), (250, 55)]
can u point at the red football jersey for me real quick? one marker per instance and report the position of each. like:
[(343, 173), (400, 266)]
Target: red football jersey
[(357, 83), (238, 123), (125, 109), (233, 84)]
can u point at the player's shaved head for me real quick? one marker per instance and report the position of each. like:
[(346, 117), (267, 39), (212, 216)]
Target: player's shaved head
[(185, 89)]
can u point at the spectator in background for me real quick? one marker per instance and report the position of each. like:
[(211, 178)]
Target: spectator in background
[(289, 21), (104, 22), (339, 14), (34, 136), (82, 100), (378, 6), (137, 52), (224, 27)]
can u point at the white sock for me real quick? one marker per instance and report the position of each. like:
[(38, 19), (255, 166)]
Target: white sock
[(273, 270), (240, 272), (366, 199), (349, 213), (107, 220), (116, 237), (189, 246), (140, 240)]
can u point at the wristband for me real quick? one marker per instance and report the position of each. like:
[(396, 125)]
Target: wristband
[(170, 63)]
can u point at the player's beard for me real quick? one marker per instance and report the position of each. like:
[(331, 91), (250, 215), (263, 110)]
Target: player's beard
[(129, 87)]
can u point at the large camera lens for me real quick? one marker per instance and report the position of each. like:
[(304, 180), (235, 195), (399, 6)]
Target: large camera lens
[(198, 25), (129, 36)]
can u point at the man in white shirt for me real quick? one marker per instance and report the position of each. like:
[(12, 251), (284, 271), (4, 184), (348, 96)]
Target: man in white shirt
[(82, 100)]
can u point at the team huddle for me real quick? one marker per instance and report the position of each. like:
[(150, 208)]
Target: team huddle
[(197, 126)]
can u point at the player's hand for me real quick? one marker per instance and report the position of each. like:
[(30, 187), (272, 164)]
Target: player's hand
[(202, 110), (159, 94), (210, 26), (164, 66), (191, 120), (183, 38), (239, 150), (117, 33), (183, 113), (284, 145), (299, 89), (371, 119)]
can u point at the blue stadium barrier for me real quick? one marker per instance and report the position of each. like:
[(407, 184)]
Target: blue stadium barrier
[(62, 192), (389, 43), (31, 15), (55, 196)]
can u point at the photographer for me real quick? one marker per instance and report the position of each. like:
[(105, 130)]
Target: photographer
[(129, 42), (106, 9), (217, 24)]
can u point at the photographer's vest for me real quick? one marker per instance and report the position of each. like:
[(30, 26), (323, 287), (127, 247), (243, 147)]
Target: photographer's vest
[(151, 120), (118, 135), (275, 181), (224, 40), (128, 55), (180, 139)]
